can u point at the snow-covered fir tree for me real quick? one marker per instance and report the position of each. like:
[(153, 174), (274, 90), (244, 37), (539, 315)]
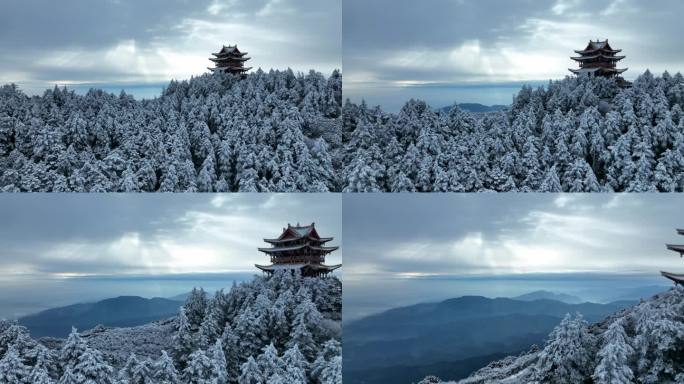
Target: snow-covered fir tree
[(271, 131), (279, 329), (615, 355), (575, 135), (568, 355)]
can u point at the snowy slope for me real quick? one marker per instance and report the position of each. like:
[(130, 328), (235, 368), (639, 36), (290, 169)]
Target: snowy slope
[(279, 329), (644, 344)]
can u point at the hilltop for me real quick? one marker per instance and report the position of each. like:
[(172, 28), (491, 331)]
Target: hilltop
[(272, 131), (578, 134)]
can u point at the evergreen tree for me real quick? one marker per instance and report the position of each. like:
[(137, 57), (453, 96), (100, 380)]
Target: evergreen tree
[(219, 361), (165, 371), (72, 350), (332, 374), (567, 356), (183, 341), (614, 357), (200, 369), (250, 373), (12, 368), (91, 368)]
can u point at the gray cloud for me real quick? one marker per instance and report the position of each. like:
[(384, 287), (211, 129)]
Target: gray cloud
[(398, 235), (391, 43), (68, 235), (125, 41)]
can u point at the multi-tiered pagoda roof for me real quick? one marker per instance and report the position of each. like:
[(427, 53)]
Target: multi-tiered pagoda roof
[(678, 278), (299, 248), (598, 59), (229, 59)]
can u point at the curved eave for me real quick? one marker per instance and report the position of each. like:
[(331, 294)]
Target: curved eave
[(278, 250), (229, 54), (607, 57), (333, 267), (240, 69), (222, 59), (678, 278), (583, 70), (583, 52), (676, 248), (680, 231), (597, 69), (280, 241)]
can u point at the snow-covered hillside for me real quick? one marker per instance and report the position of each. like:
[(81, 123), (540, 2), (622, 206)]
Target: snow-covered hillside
[(274, 131), (283, 329), (576, 134), (641, 344)]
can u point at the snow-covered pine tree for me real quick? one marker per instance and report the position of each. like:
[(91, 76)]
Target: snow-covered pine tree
[(332, 374), (306, 325), (184, 342), (200, 369), (143, 373), (72, 350), (615, 356), (12, 368), (250, 373), (92, 369), (164, 370), (218, 359), (568, 354), (68, 377), (296, 366), (128, 370), (269, 363)]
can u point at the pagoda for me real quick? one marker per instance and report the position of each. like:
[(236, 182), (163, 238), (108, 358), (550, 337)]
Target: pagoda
[(299, 248), (229, 59), (598, 59), (678, 278)]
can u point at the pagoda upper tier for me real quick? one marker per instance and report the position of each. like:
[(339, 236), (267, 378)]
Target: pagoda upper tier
[(299, 247), (678, 278), (598, 59), (229, 59)]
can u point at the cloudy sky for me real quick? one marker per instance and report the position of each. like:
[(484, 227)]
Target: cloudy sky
[(401, 249), (455, 50), (96, 239), (132, 43)]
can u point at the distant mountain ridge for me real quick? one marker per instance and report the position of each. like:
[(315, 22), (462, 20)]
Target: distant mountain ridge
[(538, 295), (476, 107), (122, 311), (462, 331)]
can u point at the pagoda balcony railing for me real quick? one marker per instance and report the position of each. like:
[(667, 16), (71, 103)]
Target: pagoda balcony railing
[(297, 260), (597, 64)]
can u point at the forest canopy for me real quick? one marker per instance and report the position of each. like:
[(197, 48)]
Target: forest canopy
[(269, 132), (578, 134)]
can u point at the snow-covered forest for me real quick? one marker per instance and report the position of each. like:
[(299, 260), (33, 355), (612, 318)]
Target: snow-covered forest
[(574, 135), (283, 329), (276, 131), (642, 344)]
